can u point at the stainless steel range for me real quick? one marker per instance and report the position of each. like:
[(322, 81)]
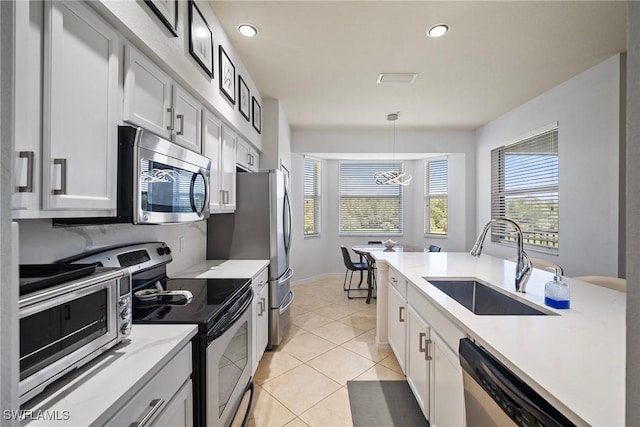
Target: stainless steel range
[(220, 307)]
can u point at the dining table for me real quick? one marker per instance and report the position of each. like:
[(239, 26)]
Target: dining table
[(364, 251)]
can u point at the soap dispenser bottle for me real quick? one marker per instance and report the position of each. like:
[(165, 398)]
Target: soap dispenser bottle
[(556, 292)]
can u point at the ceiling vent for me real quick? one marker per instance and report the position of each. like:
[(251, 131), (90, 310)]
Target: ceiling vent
[(404, 78)]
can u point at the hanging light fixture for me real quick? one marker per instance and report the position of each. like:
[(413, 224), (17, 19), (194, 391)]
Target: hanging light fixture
[(391, 177)]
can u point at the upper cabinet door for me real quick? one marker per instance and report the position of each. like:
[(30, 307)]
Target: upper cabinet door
[(211, 140), (82, 108), (187, 113), (147, 94), (228, 169)]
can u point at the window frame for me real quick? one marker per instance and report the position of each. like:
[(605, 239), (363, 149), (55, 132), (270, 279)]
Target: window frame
[(428, 196), (317, 197), (380, 164), (502, 235)]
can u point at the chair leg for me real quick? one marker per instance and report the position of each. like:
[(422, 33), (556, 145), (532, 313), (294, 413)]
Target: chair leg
[(349, 290), (344, 282), (360, 283)]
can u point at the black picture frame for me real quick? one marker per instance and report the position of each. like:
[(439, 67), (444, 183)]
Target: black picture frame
[(244, 95), (164, 14), (227, 75), (200, 39), (256, 115)]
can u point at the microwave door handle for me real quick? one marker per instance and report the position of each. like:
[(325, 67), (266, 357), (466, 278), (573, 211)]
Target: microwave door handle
[(206, 193)]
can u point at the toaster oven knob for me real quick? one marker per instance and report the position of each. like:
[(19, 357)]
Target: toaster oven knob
[(125, 328), (124, 314)]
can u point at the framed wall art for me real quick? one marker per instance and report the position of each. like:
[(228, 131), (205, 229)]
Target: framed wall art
[(200, 39), (243, 97), (227, 76), (256, 115), (167, 12)]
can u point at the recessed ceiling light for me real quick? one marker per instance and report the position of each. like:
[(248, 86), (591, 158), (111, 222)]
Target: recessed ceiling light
[(248, 30), (438, 30)]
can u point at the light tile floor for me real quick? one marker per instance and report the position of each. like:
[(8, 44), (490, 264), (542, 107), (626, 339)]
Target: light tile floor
[(331, 340)]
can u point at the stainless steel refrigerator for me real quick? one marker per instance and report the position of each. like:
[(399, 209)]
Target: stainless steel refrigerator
[(260, 228)]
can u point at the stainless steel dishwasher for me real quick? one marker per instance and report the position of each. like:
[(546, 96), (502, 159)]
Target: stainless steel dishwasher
[(495, 396)]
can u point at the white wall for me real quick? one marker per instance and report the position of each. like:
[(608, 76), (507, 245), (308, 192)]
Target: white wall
[(317, 256), (587, 110), (633, 217), (41, 243)]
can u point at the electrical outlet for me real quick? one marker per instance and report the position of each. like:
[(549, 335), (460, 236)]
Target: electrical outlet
[(181, 243)]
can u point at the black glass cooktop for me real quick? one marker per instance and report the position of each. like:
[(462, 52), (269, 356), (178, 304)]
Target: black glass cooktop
[(211, 299)]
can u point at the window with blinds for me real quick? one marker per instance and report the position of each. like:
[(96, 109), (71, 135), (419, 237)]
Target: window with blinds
[(524, 188), (436, 210), (367, 207), (311, 196)]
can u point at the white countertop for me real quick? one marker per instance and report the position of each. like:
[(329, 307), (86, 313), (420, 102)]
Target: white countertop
[(576, 359), (95, 392), (224, 269)]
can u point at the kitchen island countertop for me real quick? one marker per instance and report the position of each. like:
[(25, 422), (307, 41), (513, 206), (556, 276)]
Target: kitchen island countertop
[(575, 359)]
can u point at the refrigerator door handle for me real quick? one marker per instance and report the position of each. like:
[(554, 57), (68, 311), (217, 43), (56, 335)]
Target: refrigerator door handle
[(287, 221), (286, 306), (284, 277)]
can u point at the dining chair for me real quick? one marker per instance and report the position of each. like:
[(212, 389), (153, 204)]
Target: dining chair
[(351, 267), (434, 248), (371, 276), (614, 283)]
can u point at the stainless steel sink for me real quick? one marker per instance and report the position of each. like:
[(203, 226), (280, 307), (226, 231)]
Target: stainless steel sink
[(483, 300)]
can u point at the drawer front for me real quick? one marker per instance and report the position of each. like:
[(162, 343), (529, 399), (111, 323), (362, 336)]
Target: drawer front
[(155, 396), (260, 281), (449, 333), (398, 281)]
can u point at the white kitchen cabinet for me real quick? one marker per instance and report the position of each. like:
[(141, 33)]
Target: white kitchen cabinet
[(155, 102), (81, 108), (448, 392), (166, 400), (247, 157), (25, 201), (219, 144), (418, 358), (260, 316), (397, 321)]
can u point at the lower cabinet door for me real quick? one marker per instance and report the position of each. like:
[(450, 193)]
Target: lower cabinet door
[(418, 359), (397, 325), (179, 411), (448, 398)]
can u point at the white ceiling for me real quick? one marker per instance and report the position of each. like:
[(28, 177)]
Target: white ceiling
[(322, 58)]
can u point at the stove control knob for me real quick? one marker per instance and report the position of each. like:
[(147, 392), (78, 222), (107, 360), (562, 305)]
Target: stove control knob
[(160, 251), (125, 328), (167, 250)]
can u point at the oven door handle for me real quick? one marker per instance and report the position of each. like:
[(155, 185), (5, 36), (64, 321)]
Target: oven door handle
[(213, 334)]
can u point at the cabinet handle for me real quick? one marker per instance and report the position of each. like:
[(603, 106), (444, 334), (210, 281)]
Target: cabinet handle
[(427, 343), (63, 176), (400, 312), (154, 406), (249, 159), (171, 119), (225, 197), (29, 187), (421, 343), (222, 197), (181, 118), (394, 280)]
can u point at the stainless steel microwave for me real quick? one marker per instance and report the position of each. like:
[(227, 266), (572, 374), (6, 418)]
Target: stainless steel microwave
[(65, 326), (159, 182)]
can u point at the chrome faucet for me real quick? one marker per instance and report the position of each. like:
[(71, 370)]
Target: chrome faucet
[(523, 263)]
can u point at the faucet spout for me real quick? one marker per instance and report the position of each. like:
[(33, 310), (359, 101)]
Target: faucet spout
[(523, 263)]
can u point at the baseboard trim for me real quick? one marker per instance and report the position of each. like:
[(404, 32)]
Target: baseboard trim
[(316, 278)]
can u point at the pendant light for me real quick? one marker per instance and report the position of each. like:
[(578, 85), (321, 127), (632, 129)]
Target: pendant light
[(392, 177)]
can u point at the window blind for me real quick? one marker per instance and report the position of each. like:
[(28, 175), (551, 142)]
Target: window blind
[(311, 196), (436, 210), (367, 207), (524, 188)]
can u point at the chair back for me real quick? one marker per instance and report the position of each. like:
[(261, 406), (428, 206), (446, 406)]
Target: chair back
[(434, 248), (347, 259)]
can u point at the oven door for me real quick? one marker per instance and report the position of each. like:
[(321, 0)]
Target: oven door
[(59, 331), (229, 369), (171, 183)]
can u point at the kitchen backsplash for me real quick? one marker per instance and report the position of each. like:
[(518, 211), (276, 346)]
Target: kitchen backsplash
[(41, 243)]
